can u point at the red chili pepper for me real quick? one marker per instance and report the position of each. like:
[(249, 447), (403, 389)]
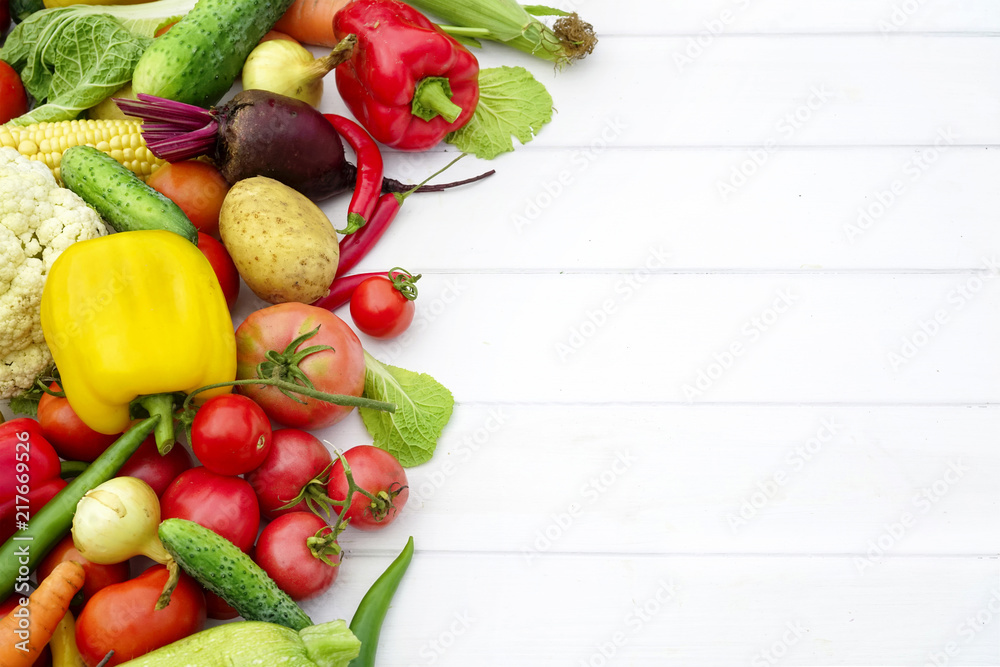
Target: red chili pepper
[(354, 247), (368, 184), (26, 458), (407, 82)]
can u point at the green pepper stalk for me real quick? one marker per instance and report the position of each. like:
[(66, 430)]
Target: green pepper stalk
[(568, 40)]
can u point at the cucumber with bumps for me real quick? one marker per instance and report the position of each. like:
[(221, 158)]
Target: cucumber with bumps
[(199, 58), (220, 566), (122, 199)]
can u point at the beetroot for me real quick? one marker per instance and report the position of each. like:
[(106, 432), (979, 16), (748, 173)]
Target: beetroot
[(258, 133)]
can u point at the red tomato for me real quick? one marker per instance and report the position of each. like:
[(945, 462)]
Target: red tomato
[(197, 187), (97, 576), (26, 458), (379, 309), (13, 99), (298, 568), (340, 370), (72, 439), (157, 470), (380, 474), (293, 466), (224, 266), (218, 608), (230, 434), (121, 617), (223, 504)]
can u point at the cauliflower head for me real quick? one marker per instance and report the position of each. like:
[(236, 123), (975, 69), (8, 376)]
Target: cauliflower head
[(38, 220)]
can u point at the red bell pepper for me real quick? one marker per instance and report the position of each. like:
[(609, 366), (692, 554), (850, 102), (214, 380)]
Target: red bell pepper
[(27, 460), (17, 511), (407, 82)]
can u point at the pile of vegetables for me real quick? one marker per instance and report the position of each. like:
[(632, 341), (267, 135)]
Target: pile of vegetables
[(161, 468)]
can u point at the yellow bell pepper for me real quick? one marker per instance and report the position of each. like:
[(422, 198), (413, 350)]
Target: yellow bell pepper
[(136, 315)]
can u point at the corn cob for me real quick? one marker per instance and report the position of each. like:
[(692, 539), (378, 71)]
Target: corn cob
[(46, 142)]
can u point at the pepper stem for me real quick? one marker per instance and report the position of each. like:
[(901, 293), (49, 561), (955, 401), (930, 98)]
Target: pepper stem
[(433, 98), (162, 405)]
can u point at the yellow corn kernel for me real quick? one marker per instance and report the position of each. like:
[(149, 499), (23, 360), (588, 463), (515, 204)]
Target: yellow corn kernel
[(46, 142)]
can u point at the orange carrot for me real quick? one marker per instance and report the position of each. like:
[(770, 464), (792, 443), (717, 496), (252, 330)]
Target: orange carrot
[(311, 21), (25, 631)]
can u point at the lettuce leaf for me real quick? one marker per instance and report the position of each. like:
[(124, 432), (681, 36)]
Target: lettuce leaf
[(511, 103), (423, 408), (70, 62)]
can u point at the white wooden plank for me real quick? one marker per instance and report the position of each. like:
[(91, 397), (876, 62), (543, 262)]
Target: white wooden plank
[(799, 91), (869, 482), (468, 609), (584, 209), (738, 17), (650, 336)]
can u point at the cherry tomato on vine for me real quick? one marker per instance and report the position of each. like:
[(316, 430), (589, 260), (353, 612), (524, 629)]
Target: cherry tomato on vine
[(377, 472), (382, 306), (69, 436), (294, 468), (230, 434), (299, 552)]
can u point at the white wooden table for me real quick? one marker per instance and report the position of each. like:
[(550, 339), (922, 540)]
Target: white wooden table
[(723, 341)]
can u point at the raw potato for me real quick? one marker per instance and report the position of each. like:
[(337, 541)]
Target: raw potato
[(283, 245)]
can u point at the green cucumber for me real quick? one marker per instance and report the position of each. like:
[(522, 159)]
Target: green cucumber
[(220, 566), (247, 643), (122, 199), (199, 58)]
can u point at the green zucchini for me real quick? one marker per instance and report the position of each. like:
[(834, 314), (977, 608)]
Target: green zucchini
[(245, 643), (199, 58), (220, 566), (122, 199)]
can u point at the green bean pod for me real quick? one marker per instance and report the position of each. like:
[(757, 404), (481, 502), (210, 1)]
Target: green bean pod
[(21, 553), (367, 621)]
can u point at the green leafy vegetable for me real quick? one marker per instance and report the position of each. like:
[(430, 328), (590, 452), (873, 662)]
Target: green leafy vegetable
[(511, 103), (70, 62), (423, 408)]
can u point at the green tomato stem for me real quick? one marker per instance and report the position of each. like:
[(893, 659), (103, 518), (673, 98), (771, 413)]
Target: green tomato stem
[(336, 399)]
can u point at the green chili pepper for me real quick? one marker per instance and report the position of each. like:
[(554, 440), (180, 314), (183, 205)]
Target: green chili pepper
[(367, 622), (20, 554)]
